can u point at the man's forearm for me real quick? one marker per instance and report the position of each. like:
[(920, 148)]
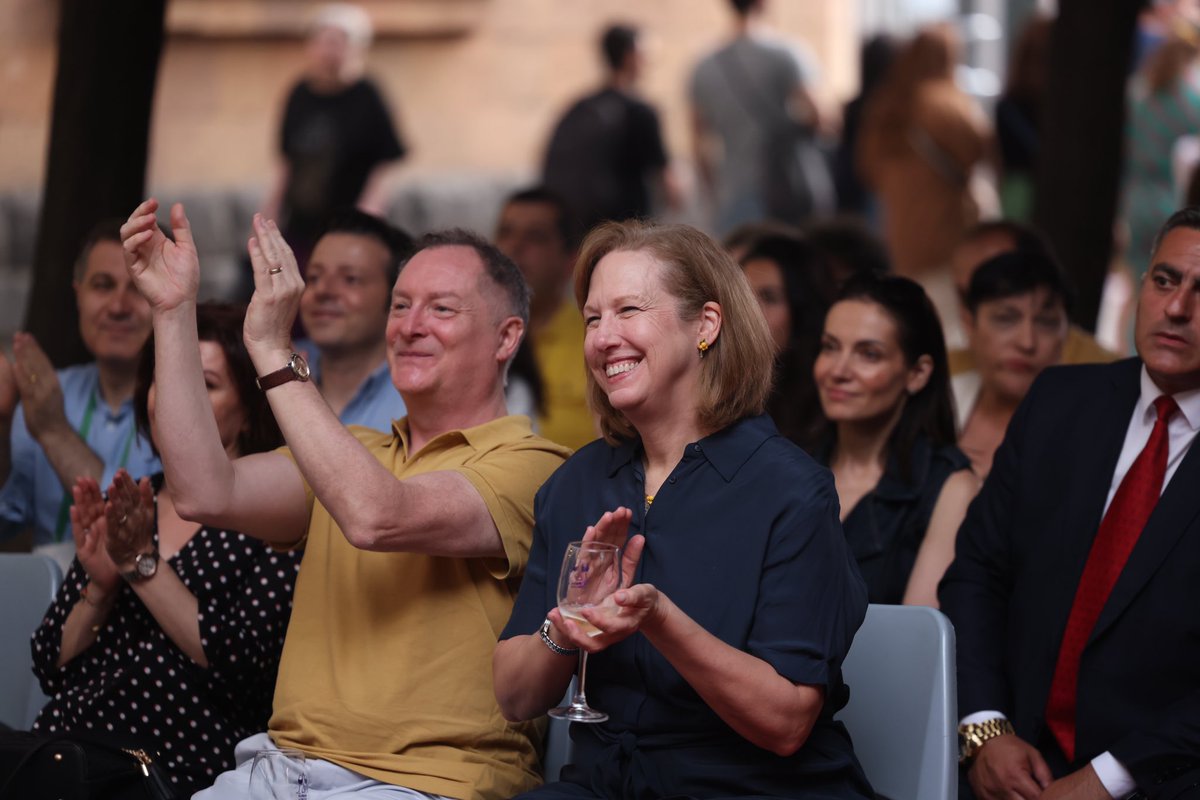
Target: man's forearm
[(70, 456)]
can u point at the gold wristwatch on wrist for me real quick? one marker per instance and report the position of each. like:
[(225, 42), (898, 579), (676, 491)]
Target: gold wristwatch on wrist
[(971, 737)]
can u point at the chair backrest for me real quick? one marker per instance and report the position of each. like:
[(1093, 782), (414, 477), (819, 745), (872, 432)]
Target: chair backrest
[(558, 741), (28, 584), (902, 713)]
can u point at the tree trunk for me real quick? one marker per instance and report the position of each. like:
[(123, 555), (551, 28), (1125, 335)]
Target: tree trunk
[(1082, 133), (108, 55)]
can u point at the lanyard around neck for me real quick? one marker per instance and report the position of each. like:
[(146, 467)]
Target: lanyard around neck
[(85, 428)]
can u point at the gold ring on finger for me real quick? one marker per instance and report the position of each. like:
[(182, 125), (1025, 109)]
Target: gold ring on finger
[(121, 521), (274, 270)]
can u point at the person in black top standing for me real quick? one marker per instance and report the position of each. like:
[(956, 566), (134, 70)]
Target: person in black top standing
[(337, 137), (607, 149)]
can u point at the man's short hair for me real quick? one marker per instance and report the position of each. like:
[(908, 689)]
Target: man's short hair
[(497, 266), (616, 43), (1186, 217), (106, 230), (1014, 273), (359, 223), (564, 221)]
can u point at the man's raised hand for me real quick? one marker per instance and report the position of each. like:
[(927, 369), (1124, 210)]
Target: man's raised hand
[(167, 273)]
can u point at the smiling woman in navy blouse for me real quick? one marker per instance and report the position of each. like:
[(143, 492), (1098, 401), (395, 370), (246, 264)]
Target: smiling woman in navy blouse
[(719, 661)]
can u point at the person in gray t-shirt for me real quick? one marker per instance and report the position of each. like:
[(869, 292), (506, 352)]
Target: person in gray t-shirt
[(740, 94)]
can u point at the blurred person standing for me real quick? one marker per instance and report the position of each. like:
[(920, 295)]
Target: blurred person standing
[(752, 101), (1017, 115), (607, 150), (921, 139), (1163, 106), (875, 59), (337, 136)]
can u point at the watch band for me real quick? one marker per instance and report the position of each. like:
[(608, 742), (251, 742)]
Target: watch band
[(145, 566), (296, 369), (554, 646), (973, 736)]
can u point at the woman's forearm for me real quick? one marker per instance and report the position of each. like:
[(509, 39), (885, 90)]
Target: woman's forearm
[(84, 622), (746, 692), (175, 609), (529, 678)]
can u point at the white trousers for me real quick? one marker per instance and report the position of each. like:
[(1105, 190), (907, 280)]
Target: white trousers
[(326, 780)]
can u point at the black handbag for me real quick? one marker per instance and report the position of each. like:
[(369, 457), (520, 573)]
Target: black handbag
[(76, 766)]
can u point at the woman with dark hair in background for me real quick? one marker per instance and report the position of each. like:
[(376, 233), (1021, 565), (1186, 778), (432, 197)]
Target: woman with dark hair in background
[(1017, 307), (166, 635), (904, 486), (791, 280)]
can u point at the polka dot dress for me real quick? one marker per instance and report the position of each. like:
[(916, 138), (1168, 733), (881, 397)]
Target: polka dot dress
[(137, 684)]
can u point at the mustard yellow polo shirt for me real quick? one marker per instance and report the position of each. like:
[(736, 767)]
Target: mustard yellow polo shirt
[(387, 665)]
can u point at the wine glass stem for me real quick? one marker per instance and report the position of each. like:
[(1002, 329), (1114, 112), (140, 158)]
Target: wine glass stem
[(580, 700)]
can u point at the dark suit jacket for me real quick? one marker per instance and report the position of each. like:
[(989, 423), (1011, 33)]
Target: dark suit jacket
[(1020, 553)]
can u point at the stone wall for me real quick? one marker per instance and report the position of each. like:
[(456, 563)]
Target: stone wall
[(477, 102)]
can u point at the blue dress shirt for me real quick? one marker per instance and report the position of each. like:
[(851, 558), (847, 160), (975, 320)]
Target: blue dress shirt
[(744, 538), (34, 496)]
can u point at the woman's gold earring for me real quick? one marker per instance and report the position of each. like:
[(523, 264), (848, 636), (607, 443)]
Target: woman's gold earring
[(702, 347)]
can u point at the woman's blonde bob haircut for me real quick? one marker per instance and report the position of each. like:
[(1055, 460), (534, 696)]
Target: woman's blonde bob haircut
[(736, 372)]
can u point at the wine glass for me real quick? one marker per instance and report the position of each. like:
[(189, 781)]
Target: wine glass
[(279, 775), (591, 571)]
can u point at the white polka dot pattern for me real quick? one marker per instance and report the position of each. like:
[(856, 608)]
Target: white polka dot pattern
[(135, 682)]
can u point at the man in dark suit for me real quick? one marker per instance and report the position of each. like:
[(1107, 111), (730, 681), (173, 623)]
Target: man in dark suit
[(1075, 592)]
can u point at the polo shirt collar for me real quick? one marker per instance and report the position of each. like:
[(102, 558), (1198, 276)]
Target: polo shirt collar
[(501, 430)]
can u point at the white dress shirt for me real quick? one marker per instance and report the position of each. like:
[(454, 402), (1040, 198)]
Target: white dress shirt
[(1181, 432)]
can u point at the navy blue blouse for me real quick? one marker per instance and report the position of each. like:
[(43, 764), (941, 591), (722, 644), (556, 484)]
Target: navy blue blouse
[(744, 538), (886, 527)]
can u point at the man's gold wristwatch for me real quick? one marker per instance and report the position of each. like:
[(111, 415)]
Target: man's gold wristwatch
[(971, 737)]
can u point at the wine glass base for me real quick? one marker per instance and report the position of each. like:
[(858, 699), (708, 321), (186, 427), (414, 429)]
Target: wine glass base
[(578, 714)]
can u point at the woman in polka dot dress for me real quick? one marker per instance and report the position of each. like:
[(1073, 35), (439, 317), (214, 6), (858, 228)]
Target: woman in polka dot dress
[(164, 633)]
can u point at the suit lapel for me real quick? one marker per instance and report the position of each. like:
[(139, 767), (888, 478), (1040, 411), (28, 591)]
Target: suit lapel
[(1174, 513), (1096, 446), (1103, 422)]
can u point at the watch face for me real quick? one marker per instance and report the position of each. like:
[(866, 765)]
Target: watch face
[(300, 366), (147, 564)]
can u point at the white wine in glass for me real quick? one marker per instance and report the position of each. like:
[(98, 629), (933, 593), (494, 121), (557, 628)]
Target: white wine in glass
[(591, 572)]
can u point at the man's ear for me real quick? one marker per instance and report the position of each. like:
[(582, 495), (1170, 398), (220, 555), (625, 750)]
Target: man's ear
[(510, 332)]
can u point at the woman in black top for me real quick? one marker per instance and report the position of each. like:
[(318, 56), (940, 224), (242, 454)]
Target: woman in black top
[(165, 634), (904, 487), (719, 659), (793, 284)]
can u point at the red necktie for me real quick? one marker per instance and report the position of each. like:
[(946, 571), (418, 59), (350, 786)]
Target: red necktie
[(1119, 531)]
